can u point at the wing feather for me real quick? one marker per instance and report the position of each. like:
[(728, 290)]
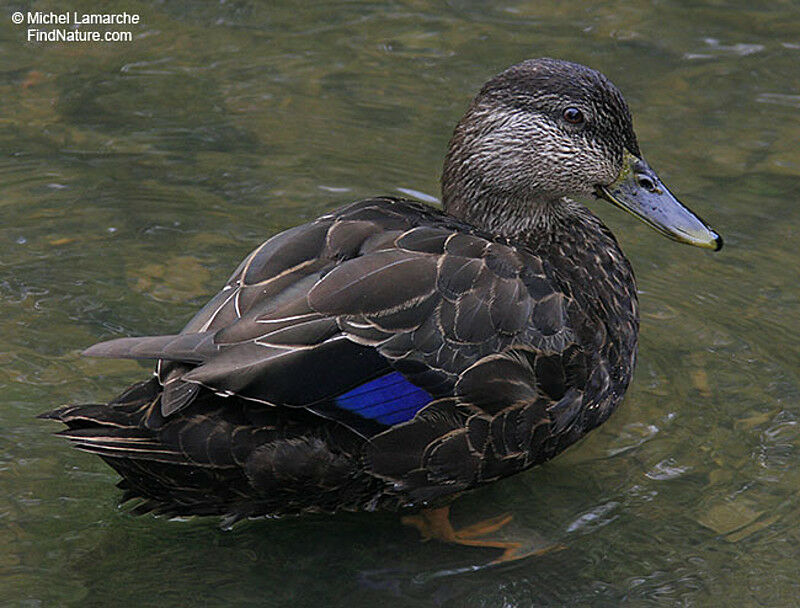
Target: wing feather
[(379, 286)]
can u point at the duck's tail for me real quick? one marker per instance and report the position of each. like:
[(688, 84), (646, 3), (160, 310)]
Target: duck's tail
[(115, 429), (161, 466)]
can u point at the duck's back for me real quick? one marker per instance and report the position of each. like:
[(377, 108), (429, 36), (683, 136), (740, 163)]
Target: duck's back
[(384, 355)]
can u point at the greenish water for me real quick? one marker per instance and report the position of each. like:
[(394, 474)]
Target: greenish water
[(134, 177)]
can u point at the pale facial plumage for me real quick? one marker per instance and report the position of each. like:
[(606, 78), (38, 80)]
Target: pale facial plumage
[(515, 145)]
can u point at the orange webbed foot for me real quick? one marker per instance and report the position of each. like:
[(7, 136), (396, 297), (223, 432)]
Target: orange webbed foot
[(435, 524)]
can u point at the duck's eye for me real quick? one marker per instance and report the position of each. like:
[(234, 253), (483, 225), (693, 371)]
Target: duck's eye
[(573, 115)]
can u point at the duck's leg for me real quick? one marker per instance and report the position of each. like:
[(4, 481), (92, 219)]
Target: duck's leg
[(435, 523)]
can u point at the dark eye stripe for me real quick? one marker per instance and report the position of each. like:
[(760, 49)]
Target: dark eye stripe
[(573, 115)]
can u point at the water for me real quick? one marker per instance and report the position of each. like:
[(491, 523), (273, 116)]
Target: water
[(135, 176)]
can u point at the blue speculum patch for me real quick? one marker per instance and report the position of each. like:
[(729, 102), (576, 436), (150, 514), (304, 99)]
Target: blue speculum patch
[(390, 399)]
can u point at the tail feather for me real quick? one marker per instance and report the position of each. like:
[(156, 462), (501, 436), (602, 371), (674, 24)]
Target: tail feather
[(141, 448), (219, 458), (160, 473), (76, 416), (113, 430)]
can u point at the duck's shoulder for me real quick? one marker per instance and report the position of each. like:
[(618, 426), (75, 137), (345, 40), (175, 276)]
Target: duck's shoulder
[(382, 228), (394, 213), (403, 211), (418, 227)]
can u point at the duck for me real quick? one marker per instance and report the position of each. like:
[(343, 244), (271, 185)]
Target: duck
[(391, 355)]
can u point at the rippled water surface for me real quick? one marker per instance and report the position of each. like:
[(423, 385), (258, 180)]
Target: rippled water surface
[(133, 177)]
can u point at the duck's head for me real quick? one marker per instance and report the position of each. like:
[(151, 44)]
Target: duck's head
[(543, 131)]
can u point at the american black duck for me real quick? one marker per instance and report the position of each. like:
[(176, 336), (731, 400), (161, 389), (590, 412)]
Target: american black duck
[(391, 355)]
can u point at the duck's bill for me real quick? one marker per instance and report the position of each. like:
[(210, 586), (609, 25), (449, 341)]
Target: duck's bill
[(640, 192)]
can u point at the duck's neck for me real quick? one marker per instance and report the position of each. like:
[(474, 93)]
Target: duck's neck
[(536, 223)]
